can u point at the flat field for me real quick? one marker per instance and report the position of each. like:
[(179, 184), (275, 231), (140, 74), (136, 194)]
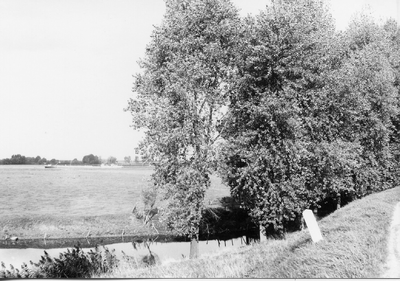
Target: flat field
[(70, 201)]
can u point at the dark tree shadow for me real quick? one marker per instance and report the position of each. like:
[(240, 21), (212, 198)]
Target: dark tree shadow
[(226, 221)]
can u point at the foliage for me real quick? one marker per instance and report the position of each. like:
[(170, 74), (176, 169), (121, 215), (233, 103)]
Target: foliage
[(149, 197), (268, 128), (42, 161), (111, 160), (76, 162), (19, 159), (365, 103), (178, 100), (392, 33), (71, 264), (148, 210), (311, 115), (16, 159), (127, 159), (227, 220), (91, 160)]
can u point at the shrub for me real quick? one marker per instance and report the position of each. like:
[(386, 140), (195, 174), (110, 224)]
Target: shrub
[(71, 264)]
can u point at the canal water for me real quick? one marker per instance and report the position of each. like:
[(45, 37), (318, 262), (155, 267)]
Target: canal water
[(31, 192), (170, 250)]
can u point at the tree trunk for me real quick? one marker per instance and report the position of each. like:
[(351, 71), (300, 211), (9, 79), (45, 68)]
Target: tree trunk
[(194, 248), (339, 202)]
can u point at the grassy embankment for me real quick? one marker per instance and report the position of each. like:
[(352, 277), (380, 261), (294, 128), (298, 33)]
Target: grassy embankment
[(354, 246)]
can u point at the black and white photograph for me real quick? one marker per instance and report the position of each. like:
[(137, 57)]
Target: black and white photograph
[(246, 139)]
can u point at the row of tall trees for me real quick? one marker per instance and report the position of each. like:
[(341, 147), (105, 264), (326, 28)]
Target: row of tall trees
[(312, 115), (290, 112)]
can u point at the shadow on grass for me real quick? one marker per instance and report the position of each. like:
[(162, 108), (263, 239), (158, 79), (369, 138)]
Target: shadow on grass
[(301, 243)]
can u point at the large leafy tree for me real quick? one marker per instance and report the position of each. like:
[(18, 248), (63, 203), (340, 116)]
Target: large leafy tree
[(178, 101), (357, 114), (312, 114), (364, 90), (270, 130)]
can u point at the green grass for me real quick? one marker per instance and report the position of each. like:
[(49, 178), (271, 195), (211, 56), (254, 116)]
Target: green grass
[(354, 246)]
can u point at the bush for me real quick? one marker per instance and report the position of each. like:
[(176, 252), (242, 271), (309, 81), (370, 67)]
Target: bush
[(71, 264)]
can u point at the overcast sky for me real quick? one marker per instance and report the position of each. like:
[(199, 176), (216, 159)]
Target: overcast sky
[(66, 70)]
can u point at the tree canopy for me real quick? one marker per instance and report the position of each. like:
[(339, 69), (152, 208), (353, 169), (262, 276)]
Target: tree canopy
[(178, 100), (270, 130), (91, 160), (292, 113)]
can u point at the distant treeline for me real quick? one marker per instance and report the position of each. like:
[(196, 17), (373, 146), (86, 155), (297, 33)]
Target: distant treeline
[(18, 159)]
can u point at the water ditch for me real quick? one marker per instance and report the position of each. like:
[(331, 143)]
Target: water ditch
[(166, 247), (221, 227)]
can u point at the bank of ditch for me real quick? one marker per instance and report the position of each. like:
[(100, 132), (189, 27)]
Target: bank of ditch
[(55, 227), (222, 220), (354, 246)]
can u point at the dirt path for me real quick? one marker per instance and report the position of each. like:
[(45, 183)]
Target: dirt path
[(392, 267)]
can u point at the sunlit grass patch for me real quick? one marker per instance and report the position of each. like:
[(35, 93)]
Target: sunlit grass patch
[(354, 245)]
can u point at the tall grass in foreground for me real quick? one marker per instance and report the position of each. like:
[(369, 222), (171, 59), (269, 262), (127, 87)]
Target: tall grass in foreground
[(71, 264), (354, 246)]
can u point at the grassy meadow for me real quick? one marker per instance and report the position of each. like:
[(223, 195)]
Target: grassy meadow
[(68, 202), (354, 246)]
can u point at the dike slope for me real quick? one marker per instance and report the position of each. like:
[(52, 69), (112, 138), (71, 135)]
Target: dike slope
[(392, 266)]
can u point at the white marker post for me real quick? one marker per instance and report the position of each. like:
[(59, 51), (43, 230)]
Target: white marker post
[(312, 225), (262, 236)]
